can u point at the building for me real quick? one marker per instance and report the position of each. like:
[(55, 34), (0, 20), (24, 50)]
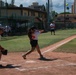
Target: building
[(68, 18), (69, 21), (1, 3), (22, 18), (36, 6), (74, 7), (21, 15)]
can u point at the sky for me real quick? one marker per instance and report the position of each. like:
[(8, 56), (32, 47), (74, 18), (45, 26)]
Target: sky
[(58, 5)]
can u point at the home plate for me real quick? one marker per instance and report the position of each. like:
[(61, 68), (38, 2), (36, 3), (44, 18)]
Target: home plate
[(30, 61)]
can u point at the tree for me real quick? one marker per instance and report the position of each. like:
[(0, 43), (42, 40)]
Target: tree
[(21, 5), (65, 13), (53, 15)]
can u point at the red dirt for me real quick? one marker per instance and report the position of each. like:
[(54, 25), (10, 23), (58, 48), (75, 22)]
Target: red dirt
[(55, 63)]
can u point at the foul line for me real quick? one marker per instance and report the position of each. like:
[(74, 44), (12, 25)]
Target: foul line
[(45, 67), (47, 50), (58, 44)]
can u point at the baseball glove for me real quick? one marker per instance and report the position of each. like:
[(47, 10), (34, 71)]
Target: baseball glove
[(4, 52)]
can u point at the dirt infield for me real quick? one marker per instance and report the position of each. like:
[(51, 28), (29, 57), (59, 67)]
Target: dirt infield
[(53, 64)]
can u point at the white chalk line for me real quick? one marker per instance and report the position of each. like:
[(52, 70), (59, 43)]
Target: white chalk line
[(61, 64), (46, 67), (2, 62), (58, 45), (51, 49)]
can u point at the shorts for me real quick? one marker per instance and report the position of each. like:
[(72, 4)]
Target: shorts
[(52, 30), (34, 43)]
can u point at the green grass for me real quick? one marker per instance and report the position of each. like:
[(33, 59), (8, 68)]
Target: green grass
[(69, 47), (21, 43)]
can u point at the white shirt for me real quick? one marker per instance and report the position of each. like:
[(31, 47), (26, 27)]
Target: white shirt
[(52, 26), (35, 35)]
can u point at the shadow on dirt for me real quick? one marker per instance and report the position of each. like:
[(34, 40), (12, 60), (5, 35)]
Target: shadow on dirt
[(47, 59), (9, 66)]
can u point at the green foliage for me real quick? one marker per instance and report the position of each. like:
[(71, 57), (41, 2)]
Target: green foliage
[(65, 13)]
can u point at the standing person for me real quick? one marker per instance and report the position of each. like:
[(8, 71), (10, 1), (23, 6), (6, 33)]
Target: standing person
[(1, 48), (33, 37), (7, 30), (52, 28)]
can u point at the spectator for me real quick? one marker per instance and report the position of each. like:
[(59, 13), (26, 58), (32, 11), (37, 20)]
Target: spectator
[(7, 30)]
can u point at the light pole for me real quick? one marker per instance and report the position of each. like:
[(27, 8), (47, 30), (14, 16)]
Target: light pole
[(48, 14), (5, 1), (64, 13), (6, 12), (0, 7), (6, 6)]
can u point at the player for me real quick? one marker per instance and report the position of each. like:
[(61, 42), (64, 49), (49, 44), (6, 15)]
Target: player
[(52, 28), (2, 50), (33, 37)]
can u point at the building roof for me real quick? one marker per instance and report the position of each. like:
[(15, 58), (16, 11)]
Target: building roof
[(24, 8)]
